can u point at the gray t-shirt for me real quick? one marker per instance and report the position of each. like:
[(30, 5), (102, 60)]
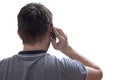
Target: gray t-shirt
[(41, 67)]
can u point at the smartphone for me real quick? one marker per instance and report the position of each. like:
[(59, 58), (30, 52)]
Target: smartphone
[(52, 32)]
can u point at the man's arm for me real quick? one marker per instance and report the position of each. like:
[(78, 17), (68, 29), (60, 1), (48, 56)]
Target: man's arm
[(93, 71)]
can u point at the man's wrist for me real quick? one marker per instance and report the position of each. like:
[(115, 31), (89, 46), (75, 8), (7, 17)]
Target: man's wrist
[(67, 50)]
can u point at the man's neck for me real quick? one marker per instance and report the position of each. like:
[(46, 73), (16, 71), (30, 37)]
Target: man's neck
[(28, 47)]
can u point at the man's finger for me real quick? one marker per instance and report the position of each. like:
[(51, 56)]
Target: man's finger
[(58, 34), (61, 32), (54, 43)]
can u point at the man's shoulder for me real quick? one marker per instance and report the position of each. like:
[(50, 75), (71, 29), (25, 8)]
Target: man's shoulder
[(68, 61), (5, 60), (72, 68)]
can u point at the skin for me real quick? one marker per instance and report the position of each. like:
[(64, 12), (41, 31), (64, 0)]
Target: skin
[(94, 72)]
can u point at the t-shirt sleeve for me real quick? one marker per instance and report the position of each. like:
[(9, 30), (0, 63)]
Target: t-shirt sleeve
[(72, 69)]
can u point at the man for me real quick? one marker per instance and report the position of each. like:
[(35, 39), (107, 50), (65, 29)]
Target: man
[(34, 63)]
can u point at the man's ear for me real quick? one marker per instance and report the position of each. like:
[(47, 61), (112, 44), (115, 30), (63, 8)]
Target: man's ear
[(19, 34)]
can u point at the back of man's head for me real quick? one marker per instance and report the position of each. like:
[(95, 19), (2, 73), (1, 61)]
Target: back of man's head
[(33, 22)]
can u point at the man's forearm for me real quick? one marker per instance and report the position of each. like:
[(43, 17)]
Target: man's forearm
[(74, 55)]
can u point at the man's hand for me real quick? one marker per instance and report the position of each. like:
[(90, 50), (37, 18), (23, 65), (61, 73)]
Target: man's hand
[(62, 43)]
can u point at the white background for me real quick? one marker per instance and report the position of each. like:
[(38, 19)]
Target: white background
[(92, 27)]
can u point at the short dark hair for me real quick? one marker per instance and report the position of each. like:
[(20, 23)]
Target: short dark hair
[(33, 22)]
